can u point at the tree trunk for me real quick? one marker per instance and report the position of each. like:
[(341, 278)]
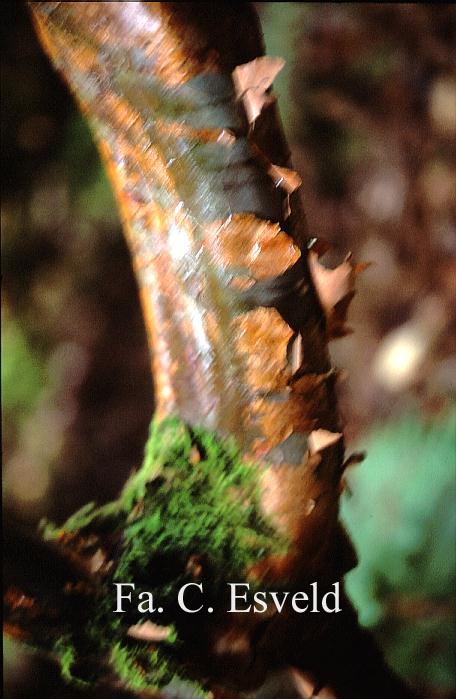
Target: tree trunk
[(238, 310)]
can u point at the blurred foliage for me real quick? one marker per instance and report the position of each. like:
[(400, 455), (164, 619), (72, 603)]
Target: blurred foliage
[(23, 373), (399, 508), (77, 399), (368, 99)]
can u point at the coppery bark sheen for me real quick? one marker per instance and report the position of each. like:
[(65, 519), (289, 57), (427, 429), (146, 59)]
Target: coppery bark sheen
[(224, 282), (238, 334)]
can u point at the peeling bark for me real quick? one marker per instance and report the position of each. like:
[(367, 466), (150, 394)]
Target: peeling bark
[(222, 268), (238, 317)]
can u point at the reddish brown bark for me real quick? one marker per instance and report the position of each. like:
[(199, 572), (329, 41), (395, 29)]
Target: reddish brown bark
[(238, 333)]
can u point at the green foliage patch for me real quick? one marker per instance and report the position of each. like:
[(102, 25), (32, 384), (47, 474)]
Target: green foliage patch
[(401, 516)]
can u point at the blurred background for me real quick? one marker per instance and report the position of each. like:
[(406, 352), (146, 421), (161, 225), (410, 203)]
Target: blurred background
[(368, 100)]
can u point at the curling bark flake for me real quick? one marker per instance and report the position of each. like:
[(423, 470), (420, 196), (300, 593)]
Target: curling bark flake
[(188, 129)]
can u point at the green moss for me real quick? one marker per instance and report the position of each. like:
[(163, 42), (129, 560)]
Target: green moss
[(87, 517), (67, 655), (193, 496), (141, 669), (23, 372), (209, 508)]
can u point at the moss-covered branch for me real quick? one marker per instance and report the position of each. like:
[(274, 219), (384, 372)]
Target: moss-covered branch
[(190, 514)]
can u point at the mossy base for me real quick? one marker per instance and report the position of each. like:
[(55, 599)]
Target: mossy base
[(193, 499)]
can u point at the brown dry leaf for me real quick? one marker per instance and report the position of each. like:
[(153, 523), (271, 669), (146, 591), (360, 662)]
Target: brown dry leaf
[(251, 80), (285, 178), (322, 439), (149, 632)]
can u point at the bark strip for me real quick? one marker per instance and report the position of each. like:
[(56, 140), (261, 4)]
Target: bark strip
[(237, 332)]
